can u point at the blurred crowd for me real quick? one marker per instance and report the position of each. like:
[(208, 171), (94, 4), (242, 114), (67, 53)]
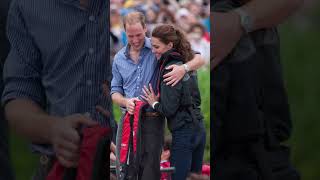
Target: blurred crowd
[(192, 16)]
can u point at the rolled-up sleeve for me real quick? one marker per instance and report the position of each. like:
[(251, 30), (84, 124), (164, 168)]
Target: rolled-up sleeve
[(23, 67), (117, 82)]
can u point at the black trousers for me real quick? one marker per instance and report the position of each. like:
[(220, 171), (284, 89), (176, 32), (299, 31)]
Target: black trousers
[(152, 140), (152, 133)]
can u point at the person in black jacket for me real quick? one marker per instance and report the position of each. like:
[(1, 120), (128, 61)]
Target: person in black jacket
[(6, 171), (180, 103)]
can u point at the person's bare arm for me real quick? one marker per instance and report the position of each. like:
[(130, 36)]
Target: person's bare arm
[(178, 71), (270, 13), (196, 62), (227, 29), (29, 120), (124, 102), (119, 99)]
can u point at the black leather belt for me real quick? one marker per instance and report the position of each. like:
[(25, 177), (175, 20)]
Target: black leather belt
[(151, 114)]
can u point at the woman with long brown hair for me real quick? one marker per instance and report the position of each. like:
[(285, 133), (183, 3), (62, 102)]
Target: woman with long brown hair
[(180, 104)]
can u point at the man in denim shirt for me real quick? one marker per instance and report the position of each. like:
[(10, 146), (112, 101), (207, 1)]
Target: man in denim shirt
[(56, 73), (134, 67)]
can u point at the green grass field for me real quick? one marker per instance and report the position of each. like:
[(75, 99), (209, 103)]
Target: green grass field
[(24, 162), (301, 62)]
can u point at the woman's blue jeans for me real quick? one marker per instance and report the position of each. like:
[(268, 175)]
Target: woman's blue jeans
[(187, 150)]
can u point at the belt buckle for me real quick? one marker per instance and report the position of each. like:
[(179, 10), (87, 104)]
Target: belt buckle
[(151, 114), (44, 160)]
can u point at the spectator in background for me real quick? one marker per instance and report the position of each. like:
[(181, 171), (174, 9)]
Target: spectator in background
[(195, 8), (165, 156), (166, 17), (151, 18), (196, 36), (168, 11), (185, 19), (181, 13), (115, 30)]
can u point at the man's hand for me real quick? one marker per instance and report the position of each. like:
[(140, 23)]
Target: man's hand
[(65, 138), (227, 32), (175, 75), (130, 105), (112, 157), (149, 95), (113, 147)]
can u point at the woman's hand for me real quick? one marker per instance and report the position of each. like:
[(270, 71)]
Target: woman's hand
[(149, 95)]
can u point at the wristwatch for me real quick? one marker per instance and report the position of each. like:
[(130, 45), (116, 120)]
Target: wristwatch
[(154, 104), (246, 20), (186, 67)]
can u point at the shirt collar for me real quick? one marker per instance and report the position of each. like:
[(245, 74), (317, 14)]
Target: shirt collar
[(147, 44)]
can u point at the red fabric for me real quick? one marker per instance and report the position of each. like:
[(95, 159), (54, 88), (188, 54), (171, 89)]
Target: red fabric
[(206, 169), (91, 137), (124, 147), (126, 130), (164, 164), (207, 36), (57, 171), (136, 114)]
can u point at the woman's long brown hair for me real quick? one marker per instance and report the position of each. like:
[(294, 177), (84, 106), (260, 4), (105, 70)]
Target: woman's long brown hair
[(167, 33)]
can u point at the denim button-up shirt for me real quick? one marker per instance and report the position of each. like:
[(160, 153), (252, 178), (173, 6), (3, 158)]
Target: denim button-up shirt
[(128, 77)]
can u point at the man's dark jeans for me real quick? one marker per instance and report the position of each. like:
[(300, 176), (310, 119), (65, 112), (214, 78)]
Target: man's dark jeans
[(187, 150), (152, 133), (152, 140)]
